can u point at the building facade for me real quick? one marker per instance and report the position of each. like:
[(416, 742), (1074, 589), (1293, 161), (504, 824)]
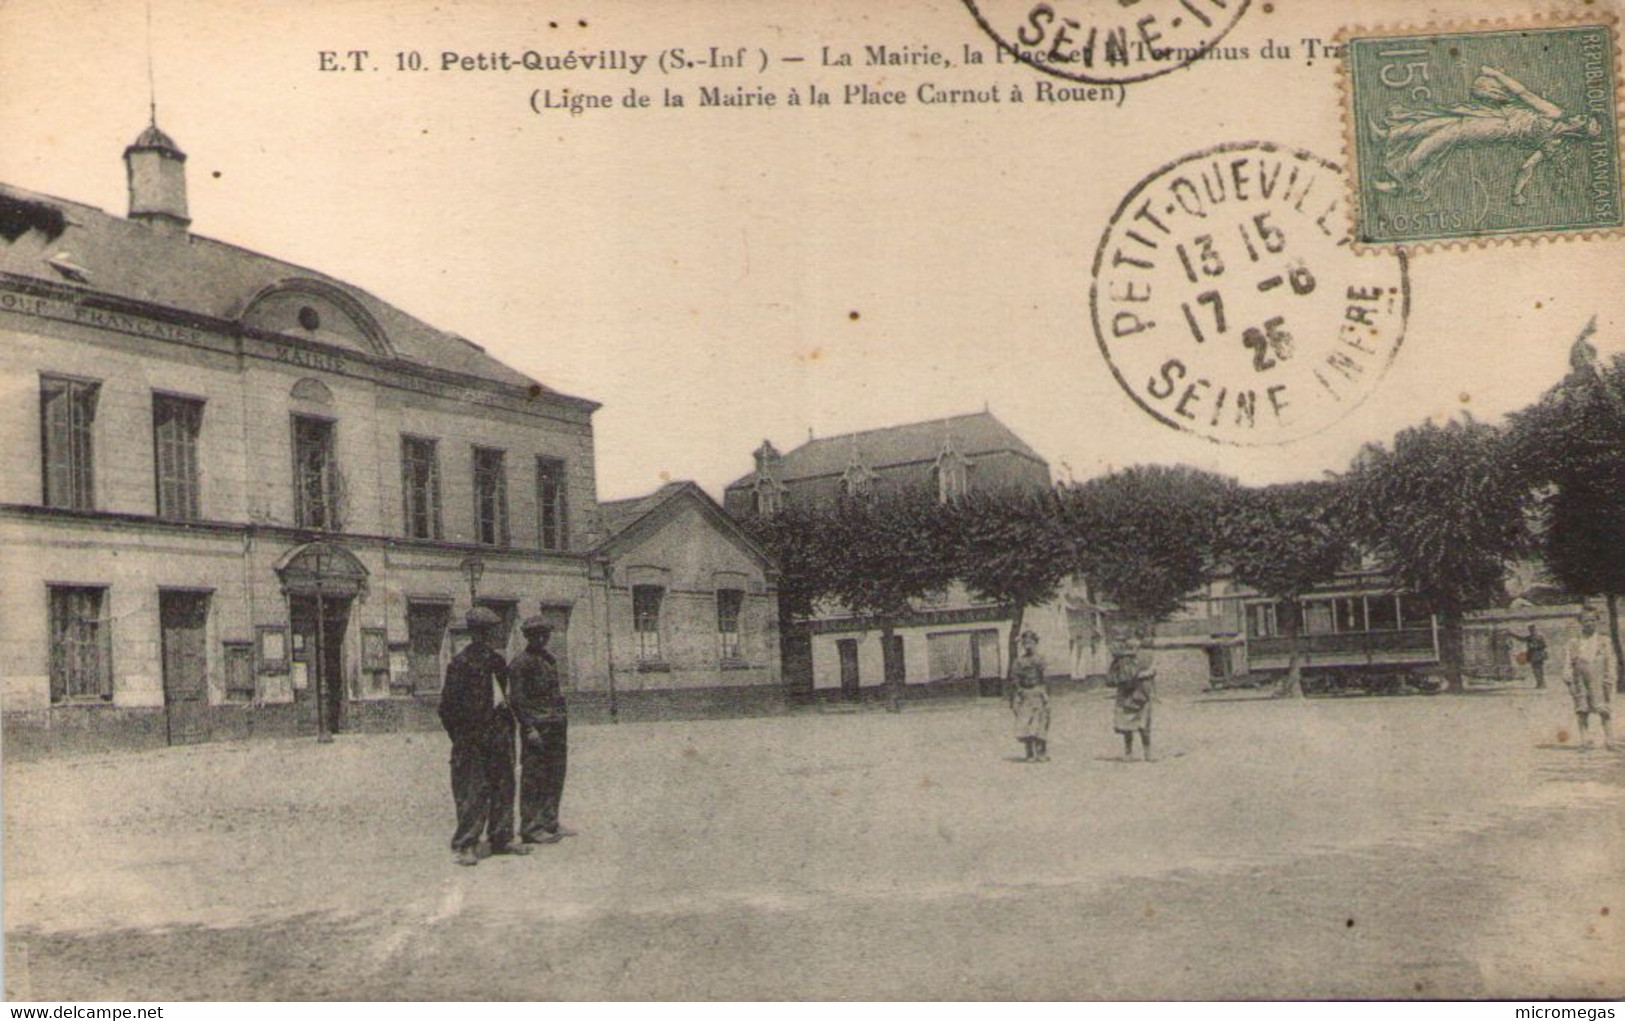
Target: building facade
[(693, 617), (243, 496), (951, 643)]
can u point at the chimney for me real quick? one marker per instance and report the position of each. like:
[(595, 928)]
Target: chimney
[(157, 176)]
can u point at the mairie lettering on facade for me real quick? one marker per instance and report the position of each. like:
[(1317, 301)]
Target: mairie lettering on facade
[(246, 497)]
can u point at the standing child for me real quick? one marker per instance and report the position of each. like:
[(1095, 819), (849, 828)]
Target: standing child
[(1591, 680), (1135, 684), (1029, 699)]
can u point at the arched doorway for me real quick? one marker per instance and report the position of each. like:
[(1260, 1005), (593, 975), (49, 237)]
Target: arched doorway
[(320, 580)]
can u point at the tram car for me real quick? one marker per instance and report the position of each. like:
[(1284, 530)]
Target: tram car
[(1360, 639)]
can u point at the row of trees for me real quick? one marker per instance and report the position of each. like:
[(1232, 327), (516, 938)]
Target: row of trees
[(1445, 507)]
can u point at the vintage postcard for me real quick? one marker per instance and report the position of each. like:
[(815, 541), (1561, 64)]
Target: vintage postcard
[(966, 500)]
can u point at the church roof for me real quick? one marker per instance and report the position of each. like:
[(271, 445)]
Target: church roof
[(912, 443), (126, 259)]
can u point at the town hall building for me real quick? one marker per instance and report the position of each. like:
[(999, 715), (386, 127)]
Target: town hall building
[(246, 497)]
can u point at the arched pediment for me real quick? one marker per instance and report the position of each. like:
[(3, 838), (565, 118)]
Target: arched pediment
[(316, 310), (322, 569), (312, 391)]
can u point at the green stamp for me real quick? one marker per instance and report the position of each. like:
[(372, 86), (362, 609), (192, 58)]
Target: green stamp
[(1473, 134)]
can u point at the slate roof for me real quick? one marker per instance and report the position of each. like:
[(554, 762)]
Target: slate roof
[(619, 517), (973, 434), (130, 260), (154, 138)]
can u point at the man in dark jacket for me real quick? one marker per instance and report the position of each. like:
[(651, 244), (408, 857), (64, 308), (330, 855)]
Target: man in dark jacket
[(1535, 653), (474, 711), (538, 702)]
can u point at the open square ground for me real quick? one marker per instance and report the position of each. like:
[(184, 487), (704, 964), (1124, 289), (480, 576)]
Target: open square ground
[(1448, 846)]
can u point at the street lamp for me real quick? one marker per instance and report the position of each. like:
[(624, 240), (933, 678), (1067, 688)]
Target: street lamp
[(473, 569)]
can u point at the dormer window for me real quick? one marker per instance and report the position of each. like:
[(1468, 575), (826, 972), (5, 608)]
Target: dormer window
[(767, 498), (951, 473), (951, 480), (857, 482)]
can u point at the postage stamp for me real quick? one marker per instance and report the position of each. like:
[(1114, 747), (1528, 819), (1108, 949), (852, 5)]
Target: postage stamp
[(1102, 43), (1229, 303), (1470, 134)]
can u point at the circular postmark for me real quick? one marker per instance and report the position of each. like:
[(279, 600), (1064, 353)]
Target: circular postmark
[(1229, 303), (1106, 42)]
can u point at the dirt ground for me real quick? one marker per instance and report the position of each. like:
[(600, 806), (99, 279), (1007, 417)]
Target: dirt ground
[(1447, 846)]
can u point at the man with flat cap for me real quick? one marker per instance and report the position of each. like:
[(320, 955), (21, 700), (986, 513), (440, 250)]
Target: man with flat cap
[(474, 711), (538, 702)]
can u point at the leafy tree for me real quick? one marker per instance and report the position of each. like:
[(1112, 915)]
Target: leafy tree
[(1569, 449), (1141, 535), (1011, 549), (878, 555), (1283, 541), (790, 537), (1444, 513)]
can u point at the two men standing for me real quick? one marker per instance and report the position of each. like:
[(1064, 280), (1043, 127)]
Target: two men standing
[(482, 698)]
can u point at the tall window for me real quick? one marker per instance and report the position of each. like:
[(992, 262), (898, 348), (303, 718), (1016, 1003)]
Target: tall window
[(81, 655), (176, 422), (315, 474), (420, 484), (490, 497), (646, 621), (67, 415), (552, 522), (730, 601), (1262, 620)]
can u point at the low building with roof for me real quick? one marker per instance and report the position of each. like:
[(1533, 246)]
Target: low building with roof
[(692, 621), (236, 482)]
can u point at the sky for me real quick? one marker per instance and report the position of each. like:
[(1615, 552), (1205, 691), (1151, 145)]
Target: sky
[(716, 277)]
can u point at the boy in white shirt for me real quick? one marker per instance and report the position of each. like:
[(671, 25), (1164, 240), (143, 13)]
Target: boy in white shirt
[(1591, 679)]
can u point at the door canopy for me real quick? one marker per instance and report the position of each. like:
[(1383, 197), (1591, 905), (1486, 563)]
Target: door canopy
[(322, 569)]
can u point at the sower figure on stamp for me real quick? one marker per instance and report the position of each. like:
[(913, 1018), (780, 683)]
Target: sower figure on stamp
[(1535, 652), (474, 711), (538, 702), (1135, 684), (1029, 699), (1591, 679), (1502, 111)]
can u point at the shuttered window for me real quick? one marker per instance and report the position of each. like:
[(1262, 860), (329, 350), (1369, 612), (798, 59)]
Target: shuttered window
[(176, 422), (315, 474), (552, 524), (67, 418), (490, 497), (420, 484), (81, 648), (646, 601), (730, 601)]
